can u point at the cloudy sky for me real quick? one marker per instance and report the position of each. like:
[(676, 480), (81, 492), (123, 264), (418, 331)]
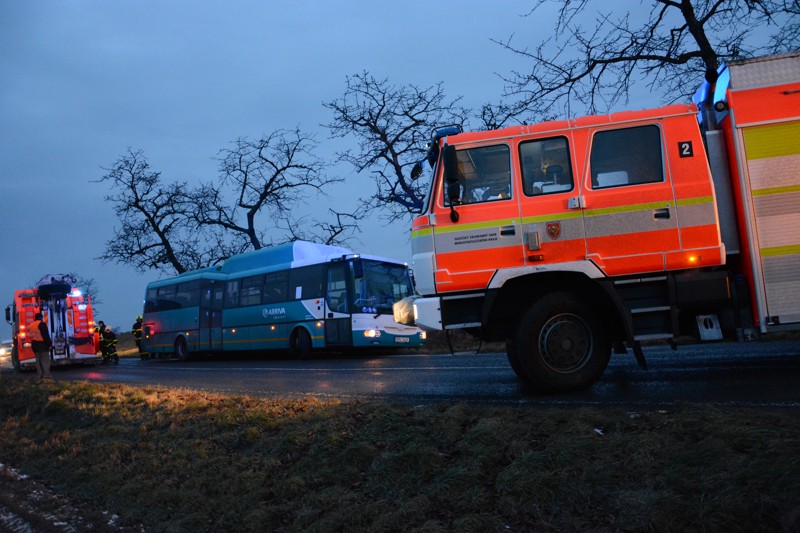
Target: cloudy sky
[(82, 81)]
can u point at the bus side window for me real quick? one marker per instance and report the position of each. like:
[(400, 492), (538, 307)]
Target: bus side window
[(150, 304), (306, 282), (276, 287), (232, 293), (251, 290), (337, 290)]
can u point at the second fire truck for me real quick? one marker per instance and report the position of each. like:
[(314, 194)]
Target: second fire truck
[(69, 319)]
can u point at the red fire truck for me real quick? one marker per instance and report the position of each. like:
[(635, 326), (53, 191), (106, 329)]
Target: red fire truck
[(573, 238), (69, 319)]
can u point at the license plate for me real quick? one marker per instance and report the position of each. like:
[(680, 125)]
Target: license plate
[(401, 340)]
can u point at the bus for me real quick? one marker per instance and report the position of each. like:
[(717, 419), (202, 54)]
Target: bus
[(301, 297)]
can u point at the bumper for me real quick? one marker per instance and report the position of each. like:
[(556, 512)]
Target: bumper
[(428, 313)]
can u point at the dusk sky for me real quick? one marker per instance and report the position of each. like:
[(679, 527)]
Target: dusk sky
[(83, 81)]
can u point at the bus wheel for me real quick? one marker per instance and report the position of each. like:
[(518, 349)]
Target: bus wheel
[(300, 344), (561, 344), (181, 350), (15, 359)]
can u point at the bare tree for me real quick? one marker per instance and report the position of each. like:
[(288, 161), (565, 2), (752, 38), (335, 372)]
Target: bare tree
[(676, 44), (261, 183), (338, 229), (154, 230), (392, 125)]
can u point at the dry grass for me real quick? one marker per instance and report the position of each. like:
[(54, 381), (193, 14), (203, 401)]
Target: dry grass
[(178, 460)]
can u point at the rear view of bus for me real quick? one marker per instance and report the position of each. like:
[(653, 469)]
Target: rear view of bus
[(301, 297)]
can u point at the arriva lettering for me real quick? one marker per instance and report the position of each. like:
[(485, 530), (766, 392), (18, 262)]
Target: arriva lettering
[(275, 311)]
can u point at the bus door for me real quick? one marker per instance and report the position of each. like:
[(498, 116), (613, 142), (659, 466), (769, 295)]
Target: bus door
[(211, 315), (338, 322)]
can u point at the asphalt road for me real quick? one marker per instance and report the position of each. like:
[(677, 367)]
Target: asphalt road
[(755, 374)]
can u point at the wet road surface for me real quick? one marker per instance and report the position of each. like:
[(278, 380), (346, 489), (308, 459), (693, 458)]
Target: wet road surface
[(755, 374)]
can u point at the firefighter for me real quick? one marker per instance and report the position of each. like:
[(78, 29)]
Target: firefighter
[(108, 343), (136, 329), (41, 344)]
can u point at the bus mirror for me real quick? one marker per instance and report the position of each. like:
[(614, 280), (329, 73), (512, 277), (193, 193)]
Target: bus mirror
[(358, 268), (416, 170)]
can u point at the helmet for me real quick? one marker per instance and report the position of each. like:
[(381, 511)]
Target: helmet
[(139, 317)]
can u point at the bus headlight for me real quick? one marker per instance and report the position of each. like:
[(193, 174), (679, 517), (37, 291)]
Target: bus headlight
[(372, 333)]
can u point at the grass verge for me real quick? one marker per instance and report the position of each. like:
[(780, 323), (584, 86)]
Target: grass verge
[(181, 460)]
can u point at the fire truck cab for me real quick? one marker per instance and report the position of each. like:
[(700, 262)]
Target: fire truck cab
[(69, 319), (571, 238)]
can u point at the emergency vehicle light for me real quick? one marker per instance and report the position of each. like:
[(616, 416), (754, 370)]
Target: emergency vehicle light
[(372, 333)]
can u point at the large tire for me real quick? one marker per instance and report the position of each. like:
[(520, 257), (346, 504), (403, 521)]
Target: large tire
[(15, 359), (513, 356), (300, 344), (181, 349), (561, 344)]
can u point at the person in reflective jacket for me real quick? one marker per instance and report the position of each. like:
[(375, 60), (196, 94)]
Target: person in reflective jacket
[(108, 343), (41, 344)]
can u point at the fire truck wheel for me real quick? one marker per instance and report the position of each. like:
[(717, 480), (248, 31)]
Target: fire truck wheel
[(561, 345), (15, 359), (181, 350), (300, 344), (513, 357)]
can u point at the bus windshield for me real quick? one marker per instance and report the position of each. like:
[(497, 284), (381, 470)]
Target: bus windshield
[(381, 285)]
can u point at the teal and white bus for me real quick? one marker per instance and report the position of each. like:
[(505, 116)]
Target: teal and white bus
[(301, 297)]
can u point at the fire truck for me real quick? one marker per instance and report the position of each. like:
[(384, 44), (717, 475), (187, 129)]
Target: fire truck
[(574, 238), (69, 319)]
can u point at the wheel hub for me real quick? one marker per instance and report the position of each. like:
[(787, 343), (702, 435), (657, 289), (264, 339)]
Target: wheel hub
[(565, 343)]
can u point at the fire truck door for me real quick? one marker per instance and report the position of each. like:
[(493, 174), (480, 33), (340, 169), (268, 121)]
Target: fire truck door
[(552, 232), (629, 205), (476, 225)]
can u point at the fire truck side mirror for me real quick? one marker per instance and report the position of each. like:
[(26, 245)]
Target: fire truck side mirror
[(451, 175), (8, 314), (450, 164), (416, 170), (451, 178)]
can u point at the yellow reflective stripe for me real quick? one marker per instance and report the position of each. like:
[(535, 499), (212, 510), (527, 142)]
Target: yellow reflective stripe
[(776, 190), (626, 208), (422, 232), (476, 225), (774, 251), (775, 140), (566, 215), (683, 202)]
